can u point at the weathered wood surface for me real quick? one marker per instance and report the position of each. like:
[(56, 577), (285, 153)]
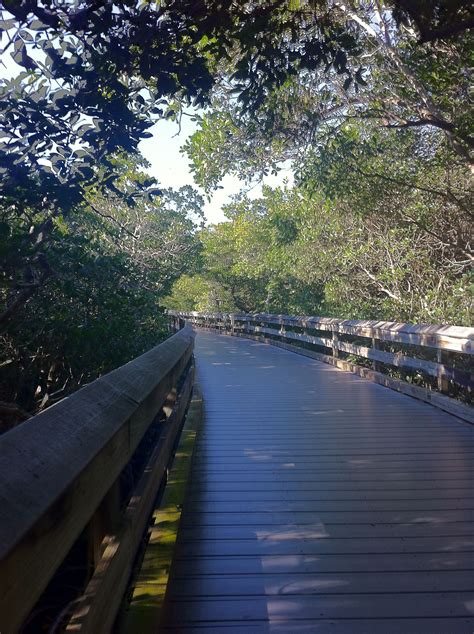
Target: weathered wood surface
[(57, 467), (320, 502), (148, 585), (396, 359), (451, 349), (96, 610), (452, 338), (447, 404)]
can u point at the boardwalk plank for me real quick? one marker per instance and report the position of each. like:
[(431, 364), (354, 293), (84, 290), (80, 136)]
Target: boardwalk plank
[(329, 486), (323, 626), (349, 606), (328, 583), (326, 546), (316, 564), (321, 531), (207, 497)]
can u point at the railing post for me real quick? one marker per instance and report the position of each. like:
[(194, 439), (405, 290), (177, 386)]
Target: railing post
[(443, 383), (335, 341), (375, 346), (104, 522), (282, 330)]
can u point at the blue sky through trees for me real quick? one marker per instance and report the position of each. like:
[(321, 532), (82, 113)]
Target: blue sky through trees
[(171, 167)]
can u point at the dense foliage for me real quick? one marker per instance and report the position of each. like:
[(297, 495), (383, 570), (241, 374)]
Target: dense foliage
[(379, 223), (107, 265), (374, 251)]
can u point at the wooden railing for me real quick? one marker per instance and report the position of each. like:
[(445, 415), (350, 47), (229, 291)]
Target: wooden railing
[(432, 363), (78, 483)]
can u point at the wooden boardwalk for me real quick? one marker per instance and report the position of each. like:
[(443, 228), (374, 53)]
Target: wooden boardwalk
[(320, 502)]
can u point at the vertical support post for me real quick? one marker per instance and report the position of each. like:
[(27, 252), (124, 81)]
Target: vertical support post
[(170, 402), (104, 522), (282, 330), (375, 346), (232, 324), (443, 383), (335, 341)]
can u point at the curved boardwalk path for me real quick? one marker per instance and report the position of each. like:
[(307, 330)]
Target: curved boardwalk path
[(320, 502)]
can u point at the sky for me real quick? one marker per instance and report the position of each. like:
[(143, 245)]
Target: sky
[(171, 168)]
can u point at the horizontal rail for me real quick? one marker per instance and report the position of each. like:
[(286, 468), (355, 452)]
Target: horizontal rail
[(60, 475), (441, 355), (449, 338)]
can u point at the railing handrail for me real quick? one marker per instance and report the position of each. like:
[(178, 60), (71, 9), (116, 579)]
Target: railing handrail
[(452, 338), (58, 466)]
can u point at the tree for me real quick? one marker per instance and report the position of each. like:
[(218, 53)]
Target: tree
[(109, 266), (436, 19), (346, 244), (393, 80), (96, 75), (407, 176), (199, 292), (383, 164), (250, 263)]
